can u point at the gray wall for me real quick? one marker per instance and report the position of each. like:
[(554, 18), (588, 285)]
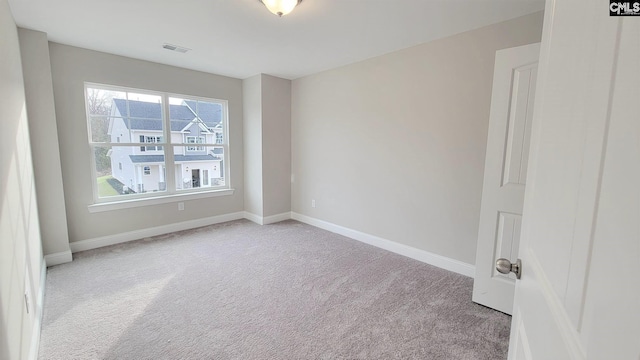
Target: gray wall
[(34, 47), (252, 104), (20, 247), (71, 67), (394, 146), (267, 145), (276, 145)]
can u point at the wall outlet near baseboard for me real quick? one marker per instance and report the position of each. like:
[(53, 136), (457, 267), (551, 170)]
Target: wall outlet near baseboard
[(180, 206), (313, 203)]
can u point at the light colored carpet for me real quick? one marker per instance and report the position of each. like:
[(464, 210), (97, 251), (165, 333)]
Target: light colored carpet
[(243, 291)]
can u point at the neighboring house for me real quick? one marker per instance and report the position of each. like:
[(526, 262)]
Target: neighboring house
[(142, 168)]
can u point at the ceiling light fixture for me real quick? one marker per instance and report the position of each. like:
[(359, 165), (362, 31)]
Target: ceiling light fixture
[(280, 7)]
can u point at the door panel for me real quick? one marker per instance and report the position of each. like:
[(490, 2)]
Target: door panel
[(505, 173), (519, 125), (612, 310), (579, 294), (521, 345), (507, 241)]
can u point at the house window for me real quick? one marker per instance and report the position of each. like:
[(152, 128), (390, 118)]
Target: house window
[(150, 139), (129, 128), (195, 140)]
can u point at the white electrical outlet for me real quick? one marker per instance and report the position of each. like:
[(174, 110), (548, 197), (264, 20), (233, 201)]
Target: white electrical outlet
[(180, 206), (313, 203)]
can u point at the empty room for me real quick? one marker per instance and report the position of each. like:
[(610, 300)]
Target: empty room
[(305, 179)]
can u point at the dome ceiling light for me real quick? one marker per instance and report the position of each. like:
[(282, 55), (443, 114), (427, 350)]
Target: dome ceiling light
[(280, 7)]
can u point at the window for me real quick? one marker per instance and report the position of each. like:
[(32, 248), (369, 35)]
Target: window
[(129, 128), (195, 140), (150, 139), (205, 177)]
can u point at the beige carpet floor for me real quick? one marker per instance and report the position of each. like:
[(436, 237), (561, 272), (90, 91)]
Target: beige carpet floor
[(243, 291)]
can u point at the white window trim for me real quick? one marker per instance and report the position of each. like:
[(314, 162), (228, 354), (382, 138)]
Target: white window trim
[(172, 194), (157, 200)]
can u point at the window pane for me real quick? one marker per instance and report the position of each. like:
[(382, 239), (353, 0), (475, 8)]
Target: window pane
[(143, 98), (122, 170), (195, 120), (119, 116), (199, 170), (99, 125), (128, 135), (100, 101)]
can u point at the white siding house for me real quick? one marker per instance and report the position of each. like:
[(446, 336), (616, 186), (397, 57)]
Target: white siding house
[(142, 168)]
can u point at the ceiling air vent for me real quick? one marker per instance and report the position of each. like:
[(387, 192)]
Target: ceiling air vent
[(177, 48)]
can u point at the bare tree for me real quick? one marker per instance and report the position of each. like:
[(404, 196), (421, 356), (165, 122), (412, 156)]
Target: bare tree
[(99, 108), (99, 101)]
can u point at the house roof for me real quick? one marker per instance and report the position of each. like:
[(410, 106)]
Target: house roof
[(208, 112), (138, 159), (147, 115)]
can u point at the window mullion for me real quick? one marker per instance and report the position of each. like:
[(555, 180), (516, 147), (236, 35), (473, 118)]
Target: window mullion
[(169, 163)]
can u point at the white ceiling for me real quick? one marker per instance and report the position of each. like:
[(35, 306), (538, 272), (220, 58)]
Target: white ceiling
[(241, 38)]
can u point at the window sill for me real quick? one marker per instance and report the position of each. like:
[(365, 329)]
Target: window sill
[(127, 204)]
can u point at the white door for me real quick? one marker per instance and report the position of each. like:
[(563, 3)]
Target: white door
[(505, 172), (579, 295)]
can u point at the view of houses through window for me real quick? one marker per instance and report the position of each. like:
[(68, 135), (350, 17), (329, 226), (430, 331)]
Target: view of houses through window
[(147, 143)]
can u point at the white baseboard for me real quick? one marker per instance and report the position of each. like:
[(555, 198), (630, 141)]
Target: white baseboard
[(401, 249), (39, 307), (276, 218), (253, 217), (99, 242), (58, 258), (267, 219)]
